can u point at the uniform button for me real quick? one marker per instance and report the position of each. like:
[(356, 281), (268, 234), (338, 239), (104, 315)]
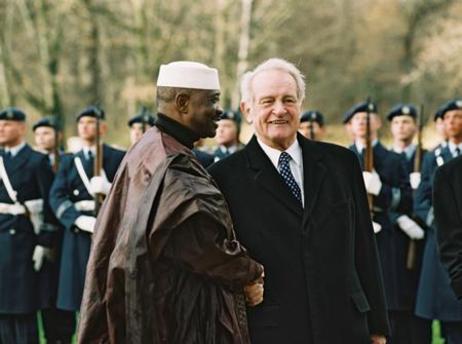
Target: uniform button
[(12, 231), (76, 192), (76, 229)]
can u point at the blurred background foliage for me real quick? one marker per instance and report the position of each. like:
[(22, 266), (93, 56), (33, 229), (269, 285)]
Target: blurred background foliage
[(58, 56)]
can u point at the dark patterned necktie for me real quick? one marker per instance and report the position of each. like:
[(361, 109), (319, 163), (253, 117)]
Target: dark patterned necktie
[(457, 152), (284, 170)]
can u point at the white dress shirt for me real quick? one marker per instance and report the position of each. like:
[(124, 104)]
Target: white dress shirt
[(295, 164), (16, 149), (452, 148)]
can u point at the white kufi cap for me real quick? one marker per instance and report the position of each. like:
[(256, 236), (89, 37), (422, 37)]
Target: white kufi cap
[(187, 74)]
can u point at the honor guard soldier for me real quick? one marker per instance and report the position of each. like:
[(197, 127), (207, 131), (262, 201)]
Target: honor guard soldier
[(387, 183), (227, 136), (139, 123), (47, 138), (440, 130), (409, 234), (312, 125), (74, 200), (59, 325), (435, 298), (26, 230)]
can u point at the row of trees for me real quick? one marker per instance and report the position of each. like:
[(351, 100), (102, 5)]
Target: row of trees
[(58, 56)]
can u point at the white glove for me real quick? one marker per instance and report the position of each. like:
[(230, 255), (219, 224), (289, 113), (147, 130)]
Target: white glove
[(372, 182), (86, 223), (100, 185), (16, 209), (415, 178), (410, 227), (376, 226), (38, 257), (35, 207)]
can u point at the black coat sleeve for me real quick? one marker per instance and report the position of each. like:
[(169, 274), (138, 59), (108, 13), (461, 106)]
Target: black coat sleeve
[(366, 257)]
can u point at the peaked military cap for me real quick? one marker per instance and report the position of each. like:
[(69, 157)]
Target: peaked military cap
[(360, 107), (47, 121), (312, 116), (12, 114), (455, 104), (91, 111), (231, 115), (402, 110), (142, 116)]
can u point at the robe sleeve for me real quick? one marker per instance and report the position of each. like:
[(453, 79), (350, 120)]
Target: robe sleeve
[(200, 245)]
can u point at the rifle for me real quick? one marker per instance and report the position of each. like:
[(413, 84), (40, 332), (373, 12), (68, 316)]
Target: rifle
[(369, 154), (312, 135), (411, 250), (57, 143), (98, 162), (144, 118)]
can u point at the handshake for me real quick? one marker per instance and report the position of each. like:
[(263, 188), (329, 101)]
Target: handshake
[(254, 292)]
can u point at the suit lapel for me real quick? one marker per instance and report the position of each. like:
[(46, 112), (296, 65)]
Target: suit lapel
[(314, 172), (268, 178)]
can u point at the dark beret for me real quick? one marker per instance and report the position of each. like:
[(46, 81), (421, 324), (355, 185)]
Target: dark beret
[(143, 116), (402, 110), (231, 115), (12, 114), (91, 111), (48, 121), (361, 107), (312, 116), (455, 104)]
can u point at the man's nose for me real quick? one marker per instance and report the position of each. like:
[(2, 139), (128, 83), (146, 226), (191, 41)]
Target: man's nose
[(279, 108)]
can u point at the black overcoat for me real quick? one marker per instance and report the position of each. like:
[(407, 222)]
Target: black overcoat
[(447, 201), (322, 277)]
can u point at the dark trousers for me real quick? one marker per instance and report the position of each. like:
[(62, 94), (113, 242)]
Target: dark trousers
[(58, 325), (406, 328), (18, 329), (452, 331)]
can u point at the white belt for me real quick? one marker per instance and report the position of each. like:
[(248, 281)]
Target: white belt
[(87, 205), (12, 209)]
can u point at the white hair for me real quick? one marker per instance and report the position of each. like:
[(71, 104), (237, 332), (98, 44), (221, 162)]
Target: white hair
[(273, 64)]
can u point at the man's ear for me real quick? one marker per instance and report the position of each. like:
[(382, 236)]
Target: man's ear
[(182, 101), (245, 110)]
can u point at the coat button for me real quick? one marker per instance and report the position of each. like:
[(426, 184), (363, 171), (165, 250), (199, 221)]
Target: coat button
[(12, 231), (76, 192), (76, 229)]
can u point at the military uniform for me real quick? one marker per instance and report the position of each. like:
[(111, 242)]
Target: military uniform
[(395, 195), (59, 325), (223, 151), (435, 298), (26, 229), (69, 199), (410, 329)]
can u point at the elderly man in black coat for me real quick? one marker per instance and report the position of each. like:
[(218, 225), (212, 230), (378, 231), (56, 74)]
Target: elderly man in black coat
[(300, 208)]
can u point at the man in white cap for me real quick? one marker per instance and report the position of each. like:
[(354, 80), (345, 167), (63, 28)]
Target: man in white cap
[(165, 266)]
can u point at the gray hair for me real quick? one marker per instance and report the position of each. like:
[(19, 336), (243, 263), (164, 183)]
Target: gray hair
[(273, 64)]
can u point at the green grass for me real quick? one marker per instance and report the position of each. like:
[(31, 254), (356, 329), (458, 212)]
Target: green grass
[(42, 335), (435, 330)]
